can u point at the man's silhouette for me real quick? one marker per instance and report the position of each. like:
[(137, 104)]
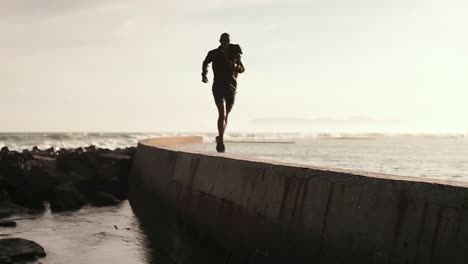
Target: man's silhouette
[(226, 64)]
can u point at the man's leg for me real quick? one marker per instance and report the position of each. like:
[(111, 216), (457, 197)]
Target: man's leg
[(224, 100), (230, 98), (221, 120)]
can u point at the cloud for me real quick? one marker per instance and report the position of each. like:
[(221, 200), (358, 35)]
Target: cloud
[(20, 9)]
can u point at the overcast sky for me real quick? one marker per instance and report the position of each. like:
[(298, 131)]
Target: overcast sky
[(118, 65)]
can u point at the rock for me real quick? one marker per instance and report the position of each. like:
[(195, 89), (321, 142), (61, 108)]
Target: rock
[(103, 199), (115, 187), (126, 151), (12, 171), (115, 156), (7, 224), (72, 178), (66, 160), (4, 149), (18, 249), (85, 163), (4, 196), (90, 148), (37, 184), (117, 166), (108, 171), (7, 209), (79, 150), (4, 259), (32, 177), (51, 152), (66, 198), (109, 179)]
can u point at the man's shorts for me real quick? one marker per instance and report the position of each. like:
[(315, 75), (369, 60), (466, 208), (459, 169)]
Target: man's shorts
[(223, 93)]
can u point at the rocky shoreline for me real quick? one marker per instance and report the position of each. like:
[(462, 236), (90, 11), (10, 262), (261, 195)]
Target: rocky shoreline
[(67, 179)]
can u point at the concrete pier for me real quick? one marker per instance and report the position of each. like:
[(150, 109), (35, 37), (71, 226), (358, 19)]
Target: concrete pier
[(224, 209)]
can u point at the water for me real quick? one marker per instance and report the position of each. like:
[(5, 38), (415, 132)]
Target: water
[(439, 157), (88, 236), (442, 156), (20, 141)]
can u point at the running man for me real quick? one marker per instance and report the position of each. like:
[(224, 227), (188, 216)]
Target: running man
[(226, 64)]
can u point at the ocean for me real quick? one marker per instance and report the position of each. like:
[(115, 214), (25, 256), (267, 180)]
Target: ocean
[(91, 235), (439, 156), (113, 234)]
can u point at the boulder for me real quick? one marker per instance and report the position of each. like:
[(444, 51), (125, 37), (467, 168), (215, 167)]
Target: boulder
[(36, 186), (18, 249), (12, 172), (103, 199), (4, 196), (7, 224), (4, 259), (50, 152), (116, 166), (35, 176), (84, 163), (66, 198), (113, 186), (90, 148), (7, 209), (126, 151)]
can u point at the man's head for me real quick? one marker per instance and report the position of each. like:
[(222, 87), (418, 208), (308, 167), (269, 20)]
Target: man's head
[(225, 40)]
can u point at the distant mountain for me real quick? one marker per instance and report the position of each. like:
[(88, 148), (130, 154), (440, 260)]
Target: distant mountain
[(323, 121)]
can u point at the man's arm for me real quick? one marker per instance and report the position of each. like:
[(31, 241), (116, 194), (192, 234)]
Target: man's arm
[(206, 62), (240, 66)]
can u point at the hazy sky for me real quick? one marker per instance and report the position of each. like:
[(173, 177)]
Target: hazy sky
[(118, 65)]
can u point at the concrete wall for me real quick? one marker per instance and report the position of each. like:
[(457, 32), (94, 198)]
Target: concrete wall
[(223, 209)]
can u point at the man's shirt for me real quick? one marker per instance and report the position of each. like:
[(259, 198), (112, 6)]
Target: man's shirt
[(226, 64)]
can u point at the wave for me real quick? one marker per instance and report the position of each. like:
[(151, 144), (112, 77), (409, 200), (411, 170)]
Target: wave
[(20, 141)]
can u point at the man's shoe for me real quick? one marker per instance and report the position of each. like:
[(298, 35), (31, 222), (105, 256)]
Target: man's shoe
[(219, 146)]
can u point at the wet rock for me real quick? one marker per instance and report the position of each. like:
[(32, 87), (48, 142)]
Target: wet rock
[(103, 199), (4, 196), (7, 209), (109, 180), (12, 171), (115, 187), (126, 151), (4, 259), (36, 185), (66, 198), (7, 224), (108, 171), (117, 167), (18, 249), (84, 163), (72, 178), (79, 150), (90, 148), (31, 177), (51, 152)]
